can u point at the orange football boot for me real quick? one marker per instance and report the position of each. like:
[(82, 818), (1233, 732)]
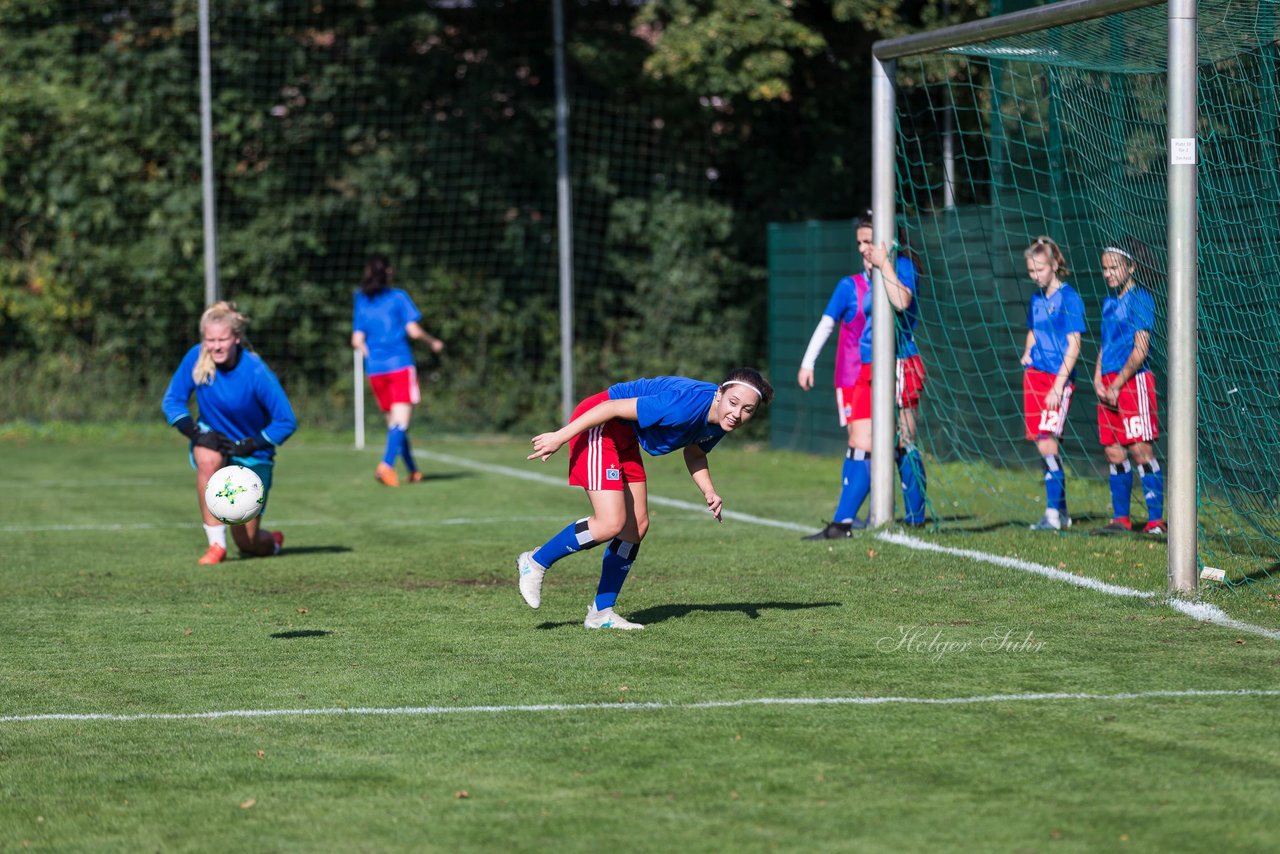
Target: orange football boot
[(386, 475), (215, 554)]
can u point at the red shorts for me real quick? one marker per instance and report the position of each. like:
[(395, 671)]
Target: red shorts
[(910, 382), (844, 404), (855, 403), (396, 387), (1134, 418), (605, 457), (1041, 422)]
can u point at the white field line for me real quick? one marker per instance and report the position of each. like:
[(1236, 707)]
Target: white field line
[(1196, 610), (1201, 611), (290, 523), (433, 711)]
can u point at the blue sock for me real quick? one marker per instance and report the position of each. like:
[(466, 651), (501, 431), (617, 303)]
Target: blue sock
[(857, 483), (618, 557), (1121, 482), (576, 537), (395, 437), (406, 451), (1055, 483), (1153, 489), (911, 469)]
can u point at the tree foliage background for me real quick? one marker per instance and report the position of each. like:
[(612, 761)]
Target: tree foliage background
[(425, 130)]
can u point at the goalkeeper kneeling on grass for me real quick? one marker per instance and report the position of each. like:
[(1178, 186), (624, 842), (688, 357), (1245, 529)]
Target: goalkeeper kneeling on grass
[(605, 435), (242, 415)]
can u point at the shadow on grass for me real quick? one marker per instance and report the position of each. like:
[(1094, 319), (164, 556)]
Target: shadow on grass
[(302, 633), (311, 550), (966, 525), (1267, 575), (662, 613), (448, 475)]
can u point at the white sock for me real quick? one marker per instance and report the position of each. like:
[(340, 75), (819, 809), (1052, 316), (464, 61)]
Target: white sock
[(1052, 514), (217, 535)]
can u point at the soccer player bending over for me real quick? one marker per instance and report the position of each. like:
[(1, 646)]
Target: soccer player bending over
[(605, 435), (242, 415)]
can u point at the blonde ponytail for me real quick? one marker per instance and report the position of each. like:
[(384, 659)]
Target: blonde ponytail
[(220, 312)]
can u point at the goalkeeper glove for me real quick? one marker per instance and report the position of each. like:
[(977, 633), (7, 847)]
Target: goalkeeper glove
[(246, 447), (211, 439)]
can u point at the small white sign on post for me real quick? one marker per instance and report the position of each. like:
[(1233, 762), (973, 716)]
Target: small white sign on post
[(1182, 151)]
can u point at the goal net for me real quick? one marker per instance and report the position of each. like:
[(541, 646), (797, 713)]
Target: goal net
[(1063, 132)]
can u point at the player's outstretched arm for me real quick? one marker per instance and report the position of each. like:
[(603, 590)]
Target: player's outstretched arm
[(546, 444), (415, 331), (695, 459), (820, 335)]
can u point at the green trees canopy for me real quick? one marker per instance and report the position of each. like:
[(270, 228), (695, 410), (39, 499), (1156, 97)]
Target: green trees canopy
[(424, 130)]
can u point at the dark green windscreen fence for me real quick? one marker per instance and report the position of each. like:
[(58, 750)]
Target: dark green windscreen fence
[(805, 261)]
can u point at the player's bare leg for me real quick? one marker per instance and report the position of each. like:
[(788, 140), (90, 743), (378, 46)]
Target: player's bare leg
[(624, 544), (207, 462), (252, 539)]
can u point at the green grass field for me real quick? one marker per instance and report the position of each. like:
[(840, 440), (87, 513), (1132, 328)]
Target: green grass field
[(859, 695)]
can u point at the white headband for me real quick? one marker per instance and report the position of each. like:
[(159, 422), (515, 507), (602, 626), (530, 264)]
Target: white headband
[(1116, 250), (740, 382)]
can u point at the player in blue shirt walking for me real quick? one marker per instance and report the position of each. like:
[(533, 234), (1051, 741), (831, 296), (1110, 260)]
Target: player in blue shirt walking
[(242, 415), (1055, 322), (384, 320), (1126, 390), (605, 436)]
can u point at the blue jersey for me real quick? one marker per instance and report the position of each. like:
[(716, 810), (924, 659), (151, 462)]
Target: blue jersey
[(1051, 320), (671, 412), (1123, 317), (905, 327), (242, 402), (382, 318)]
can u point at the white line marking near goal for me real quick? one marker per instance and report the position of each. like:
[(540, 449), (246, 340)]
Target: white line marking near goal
[(1196, 610), (429, 711), (1201, 611), (1014, 563)]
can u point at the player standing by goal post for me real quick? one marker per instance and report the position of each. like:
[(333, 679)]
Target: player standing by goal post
[(1055, 322), (851, 304), (1126, 389)]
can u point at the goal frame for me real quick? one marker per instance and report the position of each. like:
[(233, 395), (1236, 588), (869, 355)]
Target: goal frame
[(1181, 229)]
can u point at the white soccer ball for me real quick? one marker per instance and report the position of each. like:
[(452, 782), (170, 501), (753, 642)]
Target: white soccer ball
[(234, 495)]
